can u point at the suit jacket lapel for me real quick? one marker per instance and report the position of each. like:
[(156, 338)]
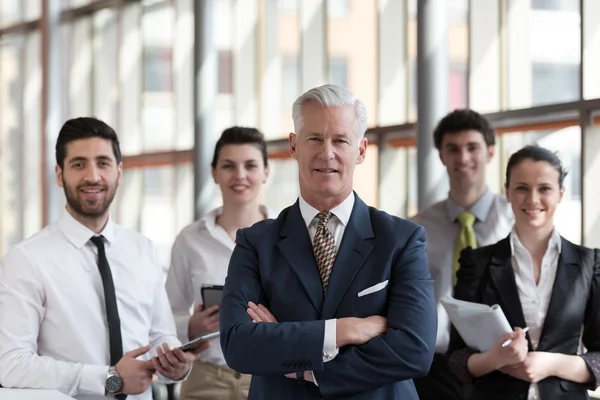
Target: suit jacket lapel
[(351, 256), (503, 276), (567, 273), (296, 247)]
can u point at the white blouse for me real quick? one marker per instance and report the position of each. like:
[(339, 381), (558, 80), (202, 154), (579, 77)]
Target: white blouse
[(535, 298), (200, 255)]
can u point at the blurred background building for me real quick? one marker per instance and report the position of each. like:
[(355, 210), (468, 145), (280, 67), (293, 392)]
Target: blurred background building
[(170, 75)]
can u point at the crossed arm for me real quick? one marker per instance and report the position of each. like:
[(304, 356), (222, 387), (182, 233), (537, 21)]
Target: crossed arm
[(404, 351)]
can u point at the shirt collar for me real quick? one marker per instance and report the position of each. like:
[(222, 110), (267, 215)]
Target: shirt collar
[(554, 242), (341, 211), (209, 220), (78, 234), (480, 209)]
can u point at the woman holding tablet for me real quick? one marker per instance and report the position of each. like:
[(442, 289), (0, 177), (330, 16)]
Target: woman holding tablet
[(542, 282), (200, 258)]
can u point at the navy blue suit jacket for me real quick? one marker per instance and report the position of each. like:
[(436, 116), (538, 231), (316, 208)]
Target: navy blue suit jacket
[(273, 264)]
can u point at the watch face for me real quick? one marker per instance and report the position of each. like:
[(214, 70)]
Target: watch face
[(114, 384)]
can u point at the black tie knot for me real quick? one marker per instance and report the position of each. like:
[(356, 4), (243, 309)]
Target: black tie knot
[(98, 241)]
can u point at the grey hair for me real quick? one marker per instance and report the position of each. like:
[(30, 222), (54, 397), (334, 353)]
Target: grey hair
[(330, 96)]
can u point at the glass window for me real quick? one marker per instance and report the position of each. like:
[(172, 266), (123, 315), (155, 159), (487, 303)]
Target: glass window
[(157, 74), (158, 111), (542, 61), (338, 8), (78, 50), (104, 70), (158, 214), (225, 68), (11, 170), (20, 145), (290, 83), (288, 42), (338, 71), (352, 51), (281, 189), (567, 143), (366, 177), (10, 12), (458, 54)]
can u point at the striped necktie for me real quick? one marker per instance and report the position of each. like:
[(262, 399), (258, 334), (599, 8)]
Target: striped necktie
[(324, 249)]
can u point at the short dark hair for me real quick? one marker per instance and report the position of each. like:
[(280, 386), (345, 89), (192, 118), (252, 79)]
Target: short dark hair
[(462, 120), (535, 153), (241, 135), (84, 128)]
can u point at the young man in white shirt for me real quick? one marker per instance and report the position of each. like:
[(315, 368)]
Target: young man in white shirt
[(83, 309), (471, 215)]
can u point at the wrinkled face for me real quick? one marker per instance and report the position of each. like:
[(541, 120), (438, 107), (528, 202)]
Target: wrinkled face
[(465, 156), (327, 150), (534, 193), (240, 173), (90, 176)]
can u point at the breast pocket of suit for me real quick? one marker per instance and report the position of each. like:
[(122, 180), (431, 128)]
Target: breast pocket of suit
[(371, 300)]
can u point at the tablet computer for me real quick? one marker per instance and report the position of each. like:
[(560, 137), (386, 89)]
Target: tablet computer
[(192, 344), (211, 295)]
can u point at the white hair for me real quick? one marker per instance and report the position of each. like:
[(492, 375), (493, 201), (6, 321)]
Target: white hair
[(330, 96)]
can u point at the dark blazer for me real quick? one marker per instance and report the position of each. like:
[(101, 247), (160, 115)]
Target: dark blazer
[(486, 276), (273, 264)]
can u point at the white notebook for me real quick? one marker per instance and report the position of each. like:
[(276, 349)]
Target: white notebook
[(479, 325)]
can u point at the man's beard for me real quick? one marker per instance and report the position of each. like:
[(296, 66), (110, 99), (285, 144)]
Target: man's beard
[(86, 208)]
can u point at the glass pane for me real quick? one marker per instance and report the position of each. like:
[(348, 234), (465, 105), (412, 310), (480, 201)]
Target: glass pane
[(366, 181), (281, 189), (104, 69), (158, 98), (567, 143), (543, 61), (223, 37), (11, 150), (79, 75), (32, 145), (458, 54), (157, 214), (33, 9), (10, 12), (353, 63), (289, 45)]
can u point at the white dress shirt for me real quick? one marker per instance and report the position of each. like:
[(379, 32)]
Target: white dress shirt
[(494, 220), (54, 332), (535, 297), (336, 225), (200, 255)]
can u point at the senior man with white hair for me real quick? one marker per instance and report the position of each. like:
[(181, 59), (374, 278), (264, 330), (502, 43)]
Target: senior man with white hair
[(332, 298)]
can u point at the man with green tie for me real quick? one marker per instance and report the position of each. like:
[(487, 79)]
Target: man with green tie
[(472, 215)]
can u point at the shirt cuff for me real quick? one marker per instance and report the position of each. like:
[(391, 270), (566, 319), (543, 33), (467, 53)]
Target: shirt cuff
[(165, 380), (93, 379), (330, 351), (314, 379)]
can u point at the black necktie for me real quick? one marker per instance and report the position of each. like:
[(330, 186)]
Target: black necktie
[(112, 312)]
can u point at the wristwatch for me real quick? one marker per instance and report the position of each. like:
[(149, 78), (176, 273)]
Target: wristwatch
[(114, 383)]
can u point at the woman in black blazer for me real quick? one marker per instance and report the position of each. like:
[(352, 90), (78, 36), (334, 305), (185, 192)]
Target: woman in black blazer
[(540, 280)]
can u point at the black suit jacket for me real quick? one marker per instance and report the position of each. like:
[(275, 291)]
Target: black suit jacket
[(486, 276)]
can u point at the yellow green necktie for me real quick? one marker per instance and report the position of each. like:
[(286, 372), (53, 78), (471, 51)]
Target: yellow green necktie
[(466, 237)]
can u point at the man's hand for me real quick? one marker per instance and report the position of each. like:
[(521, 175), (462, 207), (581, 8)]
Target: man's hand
[(135, 374), (535, 367), (175, 364), (203, 321), (359, 330), (260, 313), (308, 376)]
